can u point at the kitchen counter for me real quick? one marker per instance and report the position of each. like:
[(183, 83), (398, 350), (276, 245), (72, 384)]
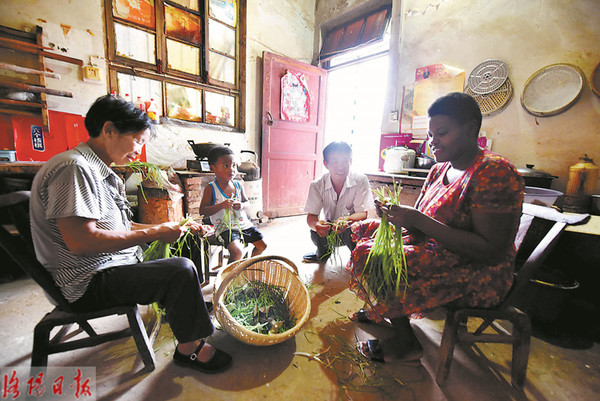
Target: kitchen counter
[(403, 179), (410, 185), (20, 168), (29, 169)]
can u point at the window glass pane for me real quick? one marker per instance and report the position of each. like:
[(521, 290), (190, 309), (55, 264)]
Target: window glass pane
[(351, 35), (139, 12), (220, 109), (223, 10), (374, 26), (184, 103), (183, 57), (182, 25), (362, 52), (191, 4), (221, 38), (332, 40), (145, 88), (221, 68), (134, 44)]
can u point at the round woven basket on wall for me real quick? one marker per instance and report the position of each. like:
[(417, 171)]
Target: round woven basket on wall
[(270, 270)]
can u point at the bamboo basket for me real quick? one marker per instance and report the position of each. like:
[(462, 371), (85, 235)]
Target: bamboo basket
[(270, 270)]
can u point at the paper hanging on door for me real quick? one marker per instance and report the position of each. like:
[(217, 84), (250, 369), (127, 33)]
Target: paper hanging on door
[(295, 98)]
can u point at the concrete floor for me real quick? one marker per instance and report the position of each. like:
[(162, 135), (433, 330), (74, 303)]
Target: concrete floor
[(288, 370)]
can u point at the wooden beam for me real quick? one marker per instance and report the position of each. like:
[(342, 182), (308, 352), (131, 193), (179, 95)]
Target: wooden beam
[(35, 89), (19, 103), (25, 70), (44, 53), (22, 43)]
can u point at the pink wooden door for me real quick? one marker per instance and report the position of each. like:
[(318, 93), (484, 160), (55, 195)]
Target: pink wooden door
[(292, 142)]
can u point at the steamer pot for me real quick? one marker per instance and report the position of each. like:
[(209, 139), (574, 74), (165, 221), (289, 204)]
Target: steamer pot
[(536, 178)]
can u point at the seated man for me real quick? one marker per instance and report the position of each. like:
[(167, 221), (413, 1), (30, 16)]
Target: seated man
[(341, 195)]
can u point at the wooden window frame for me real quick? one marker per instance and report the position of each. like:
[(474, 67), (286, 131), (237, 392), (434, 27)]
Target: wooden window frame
[(161, 73)]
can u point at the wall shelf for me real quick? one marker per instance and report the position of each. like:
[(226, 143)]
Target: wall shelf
[(24, 54)]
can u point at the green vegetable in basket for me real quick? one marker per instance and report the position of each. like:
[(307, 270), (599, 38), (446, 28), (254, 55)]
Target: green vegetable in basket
[(259, 307)]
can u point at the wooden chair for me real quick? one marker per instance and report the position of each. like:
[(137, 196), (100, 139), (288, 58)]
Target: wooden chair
[(212, 247), (550, 224), (18, 244)]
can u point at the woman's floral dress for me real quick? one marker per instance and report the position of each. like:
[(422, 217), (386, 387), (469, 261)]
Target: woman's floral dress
[(437, 276)]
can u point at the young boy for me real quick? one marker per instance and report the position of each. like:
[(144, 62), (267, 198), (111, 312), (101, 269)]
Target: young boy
[(224, 202), (341, 195)]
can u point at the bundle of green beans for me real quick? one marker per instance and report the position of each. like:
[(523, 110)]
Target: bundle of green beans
[(260, 307), (161, 250), (148, 171), (334, 241), (385, 271), (229, 223)]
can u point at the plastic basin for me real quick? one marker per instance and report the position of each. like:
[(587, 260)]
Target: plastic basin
[(544, 195)]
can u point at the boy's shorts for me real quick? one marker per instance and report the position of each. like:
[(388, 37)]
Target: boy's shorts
[(249, 235)]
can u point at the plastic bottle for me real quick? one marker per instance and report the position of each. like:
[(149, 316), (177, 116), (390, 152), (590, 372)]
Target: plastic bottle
[(127, 97), (153, 112), (139, 103), (113, 93), (583, 177)]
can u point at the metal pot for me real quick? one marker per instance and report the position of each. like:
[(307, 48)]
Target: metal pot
[(424, 162), (201, 149), (250, 167), (536, 178)]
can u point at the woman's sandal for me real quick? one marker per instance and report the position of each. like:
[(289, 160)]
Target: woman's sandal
[(371, 349), (219, 362), (362, 316)]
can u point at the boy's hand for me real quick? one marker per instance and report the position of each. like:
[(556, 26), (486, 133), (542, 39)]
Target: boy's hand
[(322, 228), (227, 203)]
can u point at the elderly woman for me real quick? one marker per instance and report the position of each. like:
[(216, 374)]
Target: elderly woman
[(458, 238), (82, 234)]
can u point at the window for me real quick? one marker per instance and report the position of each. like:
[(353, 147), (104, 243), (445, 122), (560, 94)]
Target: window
[(357, 57), (186, 55)]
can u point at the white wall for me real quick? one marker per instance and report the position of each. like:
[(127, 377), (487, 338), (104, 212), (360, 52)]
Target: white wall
[(279, 26), (525, 34)]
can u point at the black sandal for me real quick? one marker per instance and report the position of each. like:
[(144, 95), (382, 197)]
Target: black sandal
[(371, 349), (219, 362), (360, 316)]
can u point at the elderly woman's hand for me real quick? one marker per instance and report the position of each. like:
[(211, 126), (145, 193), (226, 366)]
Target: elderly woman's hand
[(170, 232), (400, 215), (200, 229)]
